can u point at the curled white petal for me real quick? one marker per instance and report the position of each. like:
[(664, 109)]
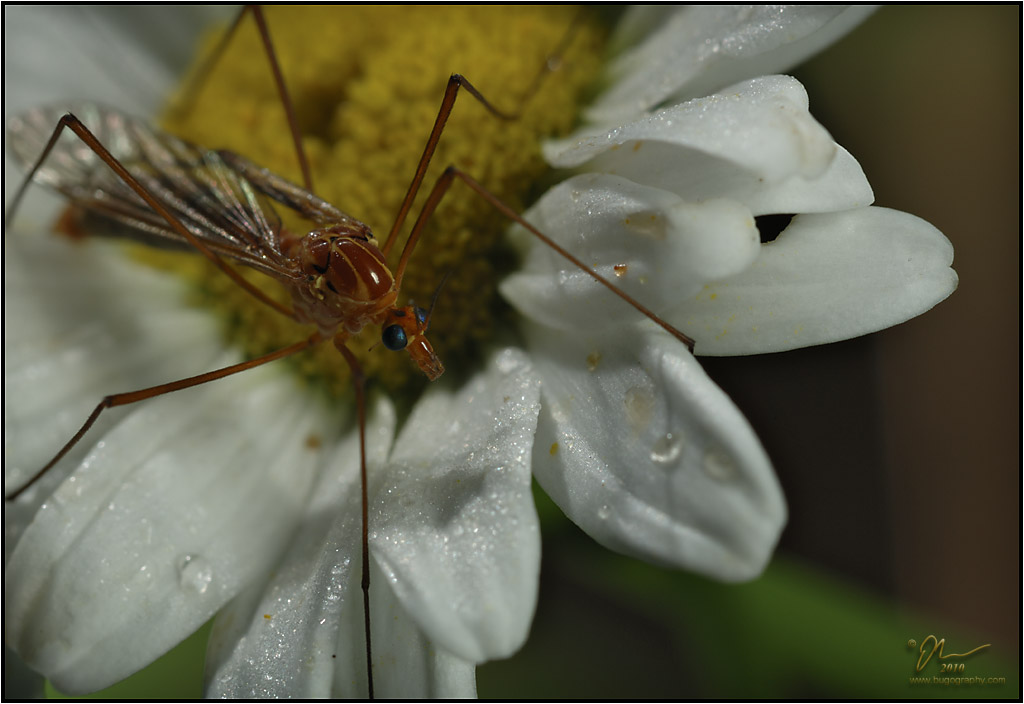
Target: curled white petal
[(301, 634), (185, 501), (641, 449), (682, 53), (827, 277), (729, 144), (454, 528), (843, 186), (651, 243)]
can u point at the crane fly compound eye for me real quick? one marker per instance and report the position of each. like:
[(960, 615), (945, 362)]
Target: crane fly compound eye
[(394, 337)]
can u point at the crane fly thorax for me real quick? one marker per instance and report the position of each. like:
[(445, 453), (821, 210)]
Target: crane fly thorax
[(345, 279)]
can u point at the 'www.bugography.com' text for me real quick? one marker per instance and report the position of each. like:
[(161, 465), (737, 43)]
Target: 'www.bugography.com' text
[(958, 681)]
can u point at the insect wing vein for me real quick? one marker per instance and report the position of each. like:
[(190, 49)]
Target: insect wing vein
[(213, 201)]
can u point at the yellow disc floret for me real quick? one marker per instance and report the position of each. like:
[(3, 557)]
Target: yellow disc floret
[(367, 84)]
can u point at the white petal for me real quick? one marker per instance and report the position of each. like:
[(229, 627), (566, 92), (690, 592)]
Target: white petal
[(127, 57), (406, 664), (732, 144), (454, 526), (187, 500), (301, 634), (843, 186), (82, 321), (699, 49), (827, 277), (652, 244), (643, 452)]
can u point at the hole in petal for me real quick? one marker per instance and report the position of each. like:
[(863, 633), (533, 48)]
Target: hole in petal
[(771, 226)]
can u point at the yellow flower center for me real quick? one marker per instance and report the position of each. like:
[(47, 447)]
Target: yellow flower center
[(367, 84)]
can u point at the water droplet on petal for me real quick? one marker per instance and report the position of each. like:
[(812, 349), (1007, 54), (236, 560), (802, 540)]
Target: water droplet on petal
[(667, 448), (604, 512), (194, 573)]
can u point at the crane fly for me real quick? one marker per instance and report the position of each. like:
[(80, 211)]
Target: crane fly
[(335, 276)]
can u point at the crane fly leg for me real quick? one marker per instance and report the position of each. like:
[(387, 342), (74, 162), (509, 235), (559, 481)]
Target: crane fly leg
[(69, 121), (451, 91), (124, 399), (195, 85), (359, 384), (442, 186)]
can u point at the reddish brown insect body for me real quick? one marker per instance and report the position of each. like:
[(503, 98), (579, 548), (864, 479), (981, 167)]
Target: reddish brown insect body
[(347, 285)]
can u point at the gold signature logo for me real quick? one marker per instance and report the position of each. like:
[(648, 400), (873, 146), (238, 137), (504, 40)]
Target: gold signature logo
[(931, 644)]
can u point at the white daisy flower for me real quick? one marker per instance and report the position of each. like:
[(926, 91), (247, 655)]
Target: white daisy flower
[(238, 498)]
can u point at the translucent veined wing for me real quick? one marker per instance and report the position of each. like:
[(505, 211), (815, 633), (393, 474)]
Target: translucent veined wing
[(221, 198)]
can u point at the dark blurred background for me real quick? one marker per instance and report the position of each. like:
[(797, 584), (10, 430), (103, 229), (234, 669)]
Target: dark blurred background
[(928, 98)]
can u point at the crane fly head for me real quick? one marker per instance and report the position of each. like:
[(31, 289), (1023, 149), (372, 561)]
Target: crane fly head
[(405, 328)]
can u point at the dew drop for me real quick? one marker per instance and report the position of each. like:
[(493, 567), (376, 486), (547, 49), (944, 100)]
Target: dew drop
[(604, 512), (667, 448), (194, 573), (719, 465)]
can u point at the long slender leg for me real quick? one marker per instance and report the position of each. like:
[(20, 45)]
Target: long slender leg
[(197, 79), (72, 123), (129, 397), (442, 186), (451, 91), (191, 92), (286, 101), (359, 383)]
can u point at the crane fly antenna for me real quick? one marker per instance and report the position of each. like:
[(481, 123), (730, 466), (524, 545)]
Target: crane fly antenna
[(437, 292)]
